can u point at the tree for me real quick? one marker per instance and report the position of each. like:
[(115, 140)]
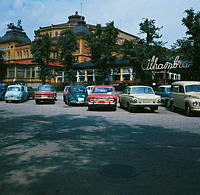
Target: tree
[(189, 46), (102, 43), (2, 67), (41, 50), (67, 45), (139, 52)]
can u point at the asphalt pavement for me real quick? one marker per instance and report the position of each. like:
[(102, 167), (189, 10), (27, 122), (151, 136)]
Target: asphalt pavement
[(58, 149)]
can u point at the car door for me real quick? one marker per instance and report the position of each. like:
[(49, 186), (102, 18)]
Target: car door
[(180, 97), (174, 95), (123, 97)]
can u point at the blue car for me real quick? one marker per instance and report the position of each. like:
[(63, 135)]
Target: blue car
[(17, 93), (3, 88), (164, 92), (76, 94)]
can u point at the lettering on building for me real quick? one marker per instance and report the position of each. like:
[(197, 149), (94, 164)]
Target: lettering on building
[(153, 64)]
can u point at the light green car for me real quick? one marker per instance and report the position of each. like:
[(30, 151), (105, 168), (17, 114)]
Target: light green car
[(134, 97)]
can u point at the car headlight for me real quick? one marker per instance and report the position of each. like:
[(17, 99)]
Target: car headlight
[(195, 103), (158, 100), (134, 100)]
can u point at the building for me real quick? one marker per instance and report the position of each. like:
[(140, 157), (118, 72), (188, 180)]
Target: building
[(17, 55)]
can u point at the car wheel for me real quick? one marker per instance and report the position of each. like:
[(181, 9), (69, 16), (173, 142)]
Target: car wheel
[(172, 107), (188, 111), (153, 109), (90, 108), (37, 101), (130, 109), (7, 101)]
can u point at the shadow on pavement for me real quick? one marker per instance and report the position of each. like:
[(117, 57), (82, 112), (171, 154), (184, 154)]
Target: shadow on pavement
[(62, 155)]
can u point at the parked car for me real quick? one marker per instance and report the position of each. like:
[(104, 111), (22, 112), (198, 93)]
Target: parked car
[(65, 92), (102, 97), (134, 97), (76, 94), (89, 89), (31, 93), (3, 88), (164, 92), (185, 95), (45, 93), (16, 93)]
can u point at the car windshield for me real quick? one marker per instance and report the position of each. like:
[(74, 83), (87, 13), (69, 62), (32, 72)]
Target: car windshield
[(45, 88), (192, 88), (13, 89), (107, 90), (78, 90), (142, 90)]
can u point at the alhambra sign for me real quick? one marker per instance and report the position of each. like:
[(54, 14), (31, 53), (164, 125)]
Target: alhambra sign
[(153, 65)]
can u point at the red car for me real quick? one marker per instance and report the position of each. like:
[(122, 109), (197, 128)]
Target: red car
[(102, 97), (45, 93)]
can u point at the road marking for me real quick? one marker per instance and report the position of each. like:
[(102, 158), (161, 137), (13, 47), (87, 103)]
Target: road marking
[(34, 120)]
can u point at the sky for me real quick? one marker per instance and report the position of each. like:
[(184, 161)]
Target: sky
[(126, 14)]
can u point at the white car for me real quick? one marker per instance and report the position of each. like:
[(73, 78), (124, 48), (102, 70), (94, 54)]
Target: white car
[(185, 95), (16, 93), (134, 97)]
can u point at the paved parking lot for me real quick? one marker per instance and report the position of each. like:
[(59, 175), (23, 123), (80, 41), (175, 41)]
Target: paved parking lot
[(60, 149)]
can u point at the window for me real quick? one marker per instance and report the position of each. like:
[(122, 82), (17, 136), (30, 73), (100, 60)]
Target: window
[(175, 88), (28, 72), (192, 88), (181, 89), (20, 72), (142, 90), (56, 33), (11, 72)]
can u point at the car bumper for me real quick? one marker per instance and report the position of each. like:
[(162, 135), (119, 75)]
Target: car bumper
[(45, 98), (101, 104), (145, 104), (195, 109), (13, 98)]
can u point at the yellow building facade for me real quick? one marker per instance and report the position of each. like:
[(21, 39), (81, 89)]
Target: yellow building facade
[(16, 45)]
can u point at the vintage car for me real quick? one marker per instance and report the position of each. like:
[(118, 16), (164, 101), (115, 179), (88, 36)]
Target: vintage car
[(45, 93), (31, 93), (185, 95), (134, 97), (76, 94), (103, 97), (65, 92), (3, 89), (164, 92), (16, 93)]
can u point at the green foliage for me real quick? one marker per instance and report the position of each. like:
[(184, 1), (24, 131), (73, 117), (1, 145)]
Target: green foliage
[(67, 45), (148, 27), (2, 67), (189, 47), (41, 49), (139, 52), (102, 45)]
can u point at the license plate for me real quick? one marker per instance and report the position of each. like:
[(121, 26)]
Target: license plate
[(80, 99), (43, 97)]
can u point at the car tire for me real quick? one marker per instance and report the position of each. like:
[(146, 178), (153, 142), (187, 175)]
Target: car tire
[(172, 107), (90, 108), (188, 111), (152, 109), (129, 108), (37, 101), (7, 101)]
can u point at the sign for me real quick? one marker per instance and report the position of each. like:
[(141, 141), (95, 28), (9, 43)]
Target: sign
[(153, 65), (8, 47)]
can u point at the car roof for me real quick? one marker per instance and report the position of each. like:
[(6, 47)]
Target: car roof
[(165, 86), (186, 83), (133, 86), (15, 85), (105, 86)]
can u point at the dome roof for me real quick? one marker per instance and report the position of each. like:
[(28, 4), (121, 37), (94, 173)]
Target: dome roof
[(81, 28), (15, 33)]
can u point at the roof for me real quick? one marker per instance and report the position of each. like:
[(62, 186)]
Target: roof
[(105, 86), (186, 83), (164, 86), (133, 86), (29, 61), (81, 28), (15, 35)]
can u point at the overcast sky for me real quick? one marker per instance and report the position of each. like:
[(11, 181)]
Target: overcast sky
[(126, 14)]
